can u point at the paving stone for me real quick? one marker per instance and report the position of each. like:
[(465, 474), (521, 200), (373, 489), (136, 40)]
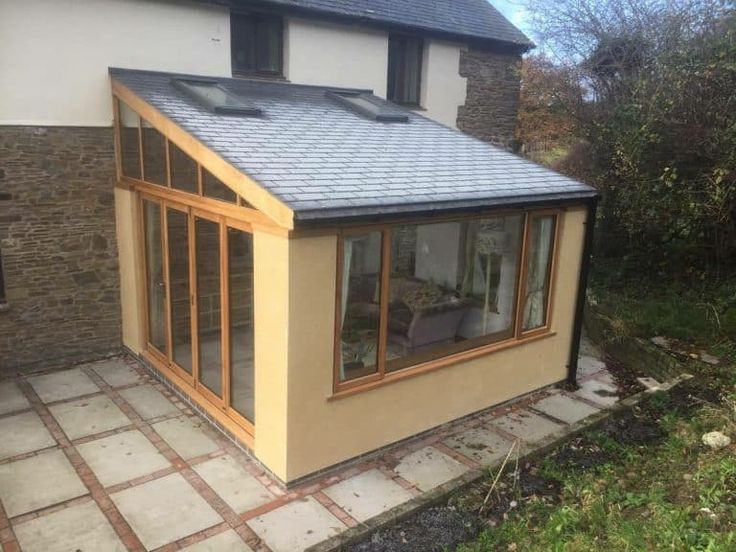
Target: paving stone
[(23, 433), (88, 416), (37, 482), (481, 444), (148, 402), (598, 392), (11, 398), (565, 408), (116, 372), (527, 426), (368, 494), (186, 437), (296, 526), (122, 457), (164, 510), (233, 483), (428, 467), (227, 541), (58, 386), (588, 365), (81, 528)]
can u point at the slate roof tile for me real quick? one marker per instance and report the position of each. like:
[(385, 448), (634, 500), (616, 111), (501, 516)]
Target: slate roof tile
[(325, 161)]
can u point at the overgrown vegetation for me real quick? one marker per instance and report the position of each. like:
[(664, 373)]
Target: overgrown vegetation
[(643, 92)]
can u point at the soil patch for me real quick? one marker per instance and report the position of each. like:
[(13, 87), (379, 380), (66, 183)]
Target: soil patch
[(580, 453)]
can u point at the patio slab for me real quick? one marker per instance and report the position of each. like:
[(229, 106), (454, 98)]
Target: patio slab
[(565, 408), (37, 482), (164, 510), (239, 489), (296, 526), (148, 402), (11, 398), (23, 433), (186, 437), (81, 528), (598, 392), (527, 426), (227, 541), (481, 444), (368, 494), (116, 372), (59, 386), (122, 457), (588, 365), (88, 416), (428, 467)]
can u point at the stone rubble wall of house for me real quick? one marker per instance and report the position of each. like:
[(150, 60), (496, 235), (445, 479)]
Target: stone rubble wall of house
[(58, 247), (492, 99)]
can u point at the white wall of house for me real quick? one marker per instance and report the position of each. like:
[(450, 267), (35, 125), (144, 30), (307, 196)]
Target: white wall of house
[(54, 56), (336, 55)]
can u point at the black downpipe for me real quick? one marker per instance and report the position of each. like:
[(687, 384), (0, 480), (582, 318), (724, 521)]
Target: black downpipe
[(572, 366)]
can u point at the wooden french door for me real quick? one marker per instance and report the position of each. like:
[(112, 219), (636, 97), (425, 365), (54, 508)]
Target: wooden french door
[(199, 297)]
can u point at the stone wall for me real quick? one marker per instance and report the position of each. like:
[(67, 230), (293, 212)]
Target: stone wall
[(492, 100), (57, 240)]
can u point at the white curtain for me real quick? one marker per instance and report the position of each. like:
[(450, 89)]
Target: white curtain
[(347, 257), (541, 244)]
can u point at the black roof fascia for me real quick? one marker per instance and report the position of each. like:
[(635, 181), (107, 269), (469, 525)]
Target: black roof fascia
[(389, 213)]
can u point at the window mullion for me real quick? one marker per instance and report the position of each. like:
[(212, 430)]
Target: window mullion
[(384, 299), (521, 285)]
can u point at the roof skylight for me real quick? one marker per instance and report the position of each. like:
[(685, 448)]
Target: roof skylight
[(216, 98), (363, 104)]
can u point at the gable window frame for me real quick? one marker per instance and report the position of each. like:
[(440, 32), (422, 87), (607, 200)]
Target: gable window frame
[(250, 36), (3, 295), (403, 51), (382, 373)]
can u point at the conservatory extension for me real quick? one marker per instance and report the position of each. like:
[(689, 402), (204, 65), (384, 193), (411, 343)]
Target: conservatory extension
[(324, 273)]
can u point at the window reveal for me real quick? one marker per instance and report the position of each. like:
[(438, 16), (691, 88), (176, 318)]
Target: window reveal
[(448, 287)]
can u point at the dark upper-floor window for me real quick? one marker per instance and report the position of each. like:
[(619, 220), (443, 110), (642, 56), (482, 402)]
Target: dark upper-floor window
[(2, 282), (405, 56), (256, 42)]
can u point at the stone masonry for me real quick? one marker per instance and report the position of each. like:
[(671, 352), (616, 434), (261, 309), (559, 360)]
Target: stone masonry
[(57, 242), (492, 99)]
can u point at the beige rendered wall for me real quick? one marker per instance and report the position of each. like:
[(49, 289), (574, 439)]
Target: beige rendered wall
[(126, 228), (336, 55), (54, 54), (271, 306), (323, 432)]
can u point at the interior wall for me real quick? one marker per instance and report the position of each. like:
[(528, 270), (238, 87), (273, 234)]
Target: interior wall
[(323, 432)]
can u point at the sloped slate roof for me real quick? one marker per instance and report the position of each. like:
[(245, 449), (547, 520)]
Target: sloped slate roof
[(470, 18), (325, 161)]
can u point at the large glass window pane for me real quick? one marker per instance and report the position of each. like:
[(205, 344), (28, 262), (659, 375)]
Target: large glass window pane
[(405, 56), (361, 277), (183, 170), (452, 287), (181, 320), (155, 282), (207, 243), (154, 155), (256, 43), (539, 265), (213, 188), (129, 144), (240, 278)]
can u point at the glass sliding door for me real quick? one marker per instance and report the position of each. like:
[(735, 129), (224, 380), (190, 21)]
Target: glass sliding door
[(209, 298), (240, 304), (155, 277), (177, 234)]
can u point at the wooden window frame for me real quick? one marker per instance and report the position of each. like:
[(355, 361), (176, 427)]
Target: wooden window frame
[(3, 294), (397, 72), (479, 346), (258, 17)]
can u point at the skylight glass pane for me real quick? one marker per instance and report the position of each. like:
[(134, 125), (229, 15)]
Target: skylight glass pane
[(364, 105), (216, 98)]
